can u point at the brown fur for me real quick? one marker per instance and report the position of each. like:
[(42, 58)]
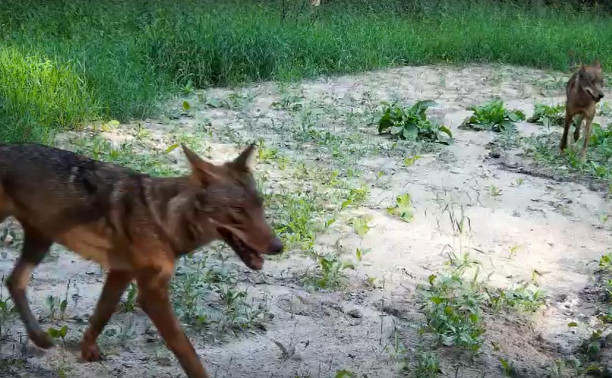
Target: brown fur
[(133, 224), (584, 91)]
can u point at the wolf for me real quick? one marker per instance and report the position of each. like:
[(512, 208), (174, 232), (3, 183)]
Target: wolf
[(583, 90), (133, 224)]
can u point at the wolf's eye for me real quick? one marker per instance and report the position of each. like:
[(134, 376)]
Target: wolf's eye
[(239, 210)]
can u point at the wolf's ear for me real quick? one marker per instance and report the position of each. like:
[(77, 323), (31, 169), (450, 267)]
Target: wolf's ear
[(202, 172), (582, 67), (597, 64), (244, 161)]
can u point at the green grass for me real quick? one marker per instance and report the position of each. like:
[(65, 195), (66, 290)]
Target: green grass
[(62, 62)]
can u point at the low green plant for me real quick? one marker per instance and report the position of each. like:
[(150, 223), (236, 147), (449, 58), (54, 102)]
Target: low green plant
[(129, 304), (8, 313), (452, 308), (492, 116), (548, 115), (403, 208), (426, 364), (494, 191), (329, 271), (412, 123), (526, 297), (59, 333), (295, 218), (288, 102), (360, 225), (356, 196), (507, 367), (207, 295), (55, 305)]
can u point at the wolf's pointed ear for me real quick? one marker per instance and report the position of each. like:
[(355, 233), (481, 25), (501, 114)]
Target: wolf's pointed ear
[(244, 161), (597, 64), (582, 67), (202, 172)]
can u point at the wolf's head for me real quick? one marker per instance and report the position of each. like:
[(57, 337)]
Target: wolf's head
[(590, 79), (226, 197)]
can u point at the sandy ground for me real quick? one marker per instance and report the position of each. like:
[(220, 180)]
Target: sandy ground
[(519, 224)]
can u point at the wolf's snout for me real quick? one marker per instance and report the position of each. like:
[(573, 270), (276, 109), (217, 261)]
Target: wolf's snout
[(275, 247), (601, 96)]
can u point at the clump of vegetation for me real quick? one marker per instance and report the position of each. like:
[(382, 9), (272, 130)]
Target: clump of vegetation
[(295, 219), (329, 271), (545, 149), (207, 295), (412, 123), (8, 313), (548, 115), (525, 297), (403, 208), (492, 116), (454, 303), (452, 308)]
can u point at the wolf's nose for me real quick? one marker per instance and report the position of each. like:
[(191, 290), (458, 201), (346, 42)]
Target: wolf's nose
[(601, 96), (276, 247)]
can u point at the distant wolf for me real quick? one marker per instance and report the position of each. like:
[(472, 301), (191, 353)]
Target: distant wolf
[(133, 224), (584, 90)]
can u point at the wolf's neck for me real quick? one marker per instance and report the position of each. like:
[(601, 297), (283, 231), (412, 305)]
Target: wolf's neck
[(171, 204)]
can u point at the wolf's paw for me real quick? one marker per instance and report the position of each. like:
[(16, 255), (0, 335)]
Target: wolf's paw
[(90, 352), (41, 339)]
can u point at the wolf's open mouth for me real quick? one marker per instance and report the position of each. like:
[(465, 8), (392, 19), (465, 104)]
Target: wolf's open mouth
[(248, 255)]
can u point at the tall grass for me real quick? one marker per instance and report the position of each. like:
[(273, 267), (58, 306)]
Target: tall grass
[(63, 62)]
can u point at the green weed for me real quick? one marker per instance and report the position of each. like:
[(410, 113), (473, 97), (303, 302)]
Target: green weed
[(295, 219), (548, 115), (403, 208), (360, 225), (492, 116), (129, 304), (206, 295), (494, 191), (524, 297), (426, 364), (412, 123), (452, 309), (329, 272), (8, 313)]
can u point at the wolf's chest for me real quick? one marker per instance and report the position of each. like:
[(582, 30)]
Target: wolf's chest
[(95, 242)]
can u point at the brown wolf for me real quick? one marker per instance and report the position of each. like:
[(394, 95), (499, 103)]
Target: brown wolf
[(584, 91), (133, 224)]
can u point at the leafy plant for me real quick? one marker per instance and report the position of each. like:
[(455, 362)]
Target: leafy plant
[(410, 160), (494, 191), (507, 367), (412, 123), (492, 116), (360, 225), (54, 305), (403, 208), (130, 301), (452, 309), (7, 314), (548, 115), (329, 272), (58, 333), (426, 364), (524, 297)]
